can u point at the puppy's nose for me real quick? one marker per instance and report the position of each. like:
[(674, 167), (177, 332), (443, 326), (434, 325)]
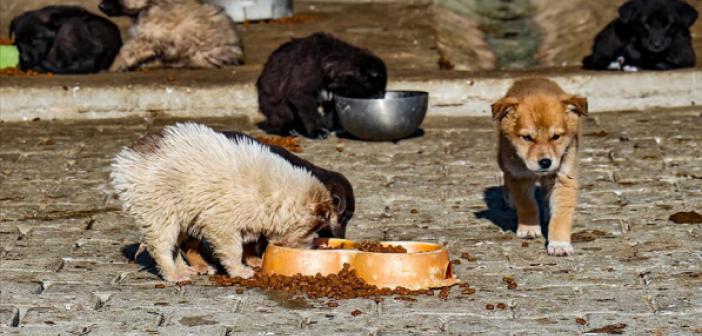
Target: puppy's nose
[(545, 163)]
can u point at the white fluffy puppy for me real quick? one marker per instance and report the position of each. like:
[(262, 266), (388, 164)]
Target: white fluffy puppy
[(192, 181)]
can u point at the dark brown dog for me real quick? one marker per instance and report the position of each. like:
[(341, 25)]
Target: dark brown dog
[(65, 40), (648, 34), (304, 73)]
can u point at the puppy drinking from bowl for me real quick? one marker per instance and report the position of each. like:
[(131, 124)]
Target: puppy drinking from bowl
[(190, 181), (304, 74), (539, 131)]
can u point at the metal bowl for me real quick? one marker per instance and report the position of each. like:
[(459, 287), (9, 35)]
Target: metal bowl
[(396, 116)]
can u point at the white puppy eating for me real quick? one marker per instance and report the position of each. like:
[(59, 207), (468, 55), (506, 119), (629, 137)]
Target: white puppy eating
[(192, 181)]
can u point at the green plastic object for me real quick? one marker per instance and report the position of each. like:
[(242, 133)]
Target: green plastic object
[(9, 56)]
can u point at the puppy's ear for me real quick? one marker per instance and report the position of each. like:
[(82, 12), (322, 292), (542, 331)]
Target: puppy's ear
[(576, 104), (687, 13), (339, 200), (323, 213), (502, 107), (629, 11)]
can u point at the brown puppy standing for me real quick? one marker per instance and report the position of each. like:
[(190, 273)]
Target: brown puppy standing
[(539, 131)]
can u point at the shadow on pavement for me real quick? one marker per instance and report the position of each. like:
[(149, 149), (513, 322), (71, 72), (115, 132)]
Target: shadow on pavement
[(503, 216), (143, 259)]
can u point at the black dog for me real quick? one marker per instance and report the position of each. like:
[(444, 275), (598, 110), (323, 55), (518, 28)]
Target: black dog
[(648, 34), (302, 74), (65, 40)]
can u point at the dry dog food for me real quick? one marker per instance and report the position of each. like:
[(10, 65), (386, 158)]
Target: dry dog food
[(378, 248), (511, 284), (292, 144), (17, 72), (368, 247), (468, 257), (342, 285)]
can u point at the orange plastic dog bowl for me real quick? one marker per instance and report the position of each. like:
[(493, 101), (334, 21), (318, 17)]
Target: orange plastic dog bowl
[(425, 265)]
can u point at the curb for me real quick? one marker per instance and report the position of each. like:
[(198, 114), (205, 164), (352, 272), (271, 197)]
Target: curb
[(463, 94)]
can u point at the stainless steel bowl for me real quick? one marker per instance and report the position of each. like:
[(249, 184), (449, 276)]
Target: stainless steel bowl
[(396, 116)]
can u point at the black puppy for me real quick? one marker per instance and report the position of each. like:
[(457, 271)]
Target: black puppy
[(648, 34), (304, 73), (65, 40)]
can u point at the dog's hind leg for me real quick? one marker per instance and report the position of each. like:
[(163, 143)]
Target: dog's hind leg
[(217, 57), (280, 119), (306, 109), (133, 54)]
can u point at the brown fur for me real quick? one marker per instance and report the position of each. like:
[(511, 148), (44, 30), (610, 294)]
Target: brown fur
[(178, 33), (539, 123)]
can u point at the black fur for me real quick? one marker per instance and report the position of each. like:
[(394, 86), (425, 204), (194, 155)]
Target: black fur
[(339, 187), (648, 34), (300, 74), (114, 8), (65, 40)]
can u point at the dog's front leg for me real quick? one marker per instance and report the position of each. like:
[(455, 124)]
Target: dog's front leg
[(306, 108), (562, 203), (522, 191), (134, 53)]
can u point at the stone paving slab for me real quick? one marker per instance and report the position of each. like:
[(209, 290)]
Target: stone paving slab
[(64, 244)]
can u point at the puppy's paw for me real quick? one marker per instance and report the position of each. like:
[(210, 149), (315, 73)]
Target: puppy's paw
[(176, 277), (320, 134), (118, 65), (614, 66), (242, 271), (254, 261), (204, 269), (528, 231), (560, 248)]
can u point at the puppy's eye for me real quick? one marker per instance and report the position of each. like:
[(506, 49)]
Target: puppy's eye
[(527, 138), (555, 137)]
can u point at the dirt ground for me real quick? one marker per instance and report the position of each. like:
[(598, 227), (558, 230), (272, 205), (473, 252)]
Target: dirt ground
[(65, 245)]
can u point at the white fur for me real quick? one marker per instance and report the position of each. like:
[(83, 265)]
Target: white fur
[(528, 231), (198, 182), (560, 248)]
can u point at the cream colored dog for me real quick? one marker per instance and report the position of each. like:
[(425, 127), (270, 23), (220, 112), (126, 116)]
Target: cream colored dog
[(539, 132), (175, 33), (191, 181)]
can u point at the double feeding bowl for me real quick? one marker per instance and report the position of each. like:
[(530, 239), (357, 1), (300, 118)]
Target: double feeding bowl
[(424, 266)]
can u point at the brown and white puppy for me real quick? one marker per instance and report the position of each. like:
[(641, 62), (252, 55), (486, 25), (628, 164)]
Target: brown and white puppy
[(175, 33), (539, 131), (191, 181), (339, 188)]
